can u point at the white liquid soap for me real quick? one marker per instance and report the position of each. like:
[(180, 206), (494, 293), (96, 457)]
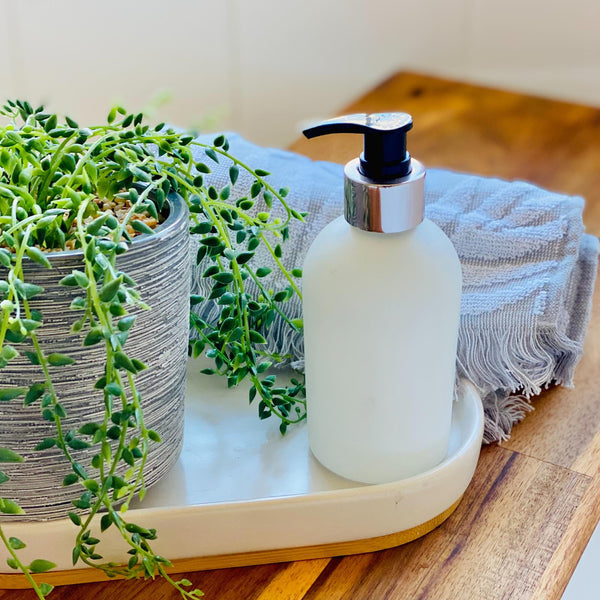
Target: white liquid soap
[(381, 289)]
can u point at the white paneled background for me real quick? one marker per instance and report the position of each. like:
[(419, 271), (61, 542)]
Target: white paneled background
[(261, 67)]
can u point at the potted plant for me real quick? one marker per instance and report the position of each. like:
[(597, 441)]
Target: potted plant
[(94, 315)]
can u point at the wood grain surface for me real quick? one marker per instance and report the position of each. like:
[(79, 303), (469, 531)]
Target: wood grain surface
[(535, 500)]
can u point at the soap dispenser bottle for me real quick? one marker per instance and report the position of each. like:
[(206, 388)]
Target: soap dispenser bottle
[(381, 303)]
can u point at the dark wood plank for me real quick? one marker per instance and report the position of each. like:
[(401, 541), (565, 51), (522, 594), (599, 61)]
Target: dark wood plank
[(495, 545)]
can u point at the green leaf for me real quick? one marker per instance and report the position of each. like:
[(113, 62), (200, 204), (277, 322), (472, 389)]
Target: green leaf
[(114, 389), (263, 366), (8, 456), (234, 172), (255, 189), (5, 257), (30, 324), (126, 323), (141, 227), (88, 429), (139, 365), (7, 394), (69, 281), (45, 444), (92, 485), (94, 336), (228, 324), (262, 271), (51, 122), (45, 588), (113, 433), (212, 154), (39, 565), (223, 278), (59, 360), (8, 507), (16, 543), (77, 444), (109, 290), (128, 457), (243, 257), (70, 479), (211, 241), (94, 227), (122, 361), (36, 255), (12, 563), (3, 477), (154, 436), (212, 270), (257, 338), (35, 392), (48, 415), (105, 522), (201, 228), (81, 279), (8, 352), (33, 357), (27, 290), (79, 470), (112, 115)]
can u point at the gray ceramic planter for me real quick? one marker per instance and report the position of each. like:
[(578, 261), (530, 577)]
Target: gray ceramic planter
[(160, 265)]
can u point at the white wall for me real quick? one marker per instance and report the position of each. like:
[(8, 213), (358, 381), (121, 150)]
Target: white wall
[(263, 66)]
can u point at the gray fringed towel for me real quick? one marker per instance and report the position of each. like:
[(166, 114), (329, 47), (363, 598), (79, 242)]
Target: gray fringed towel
[(528, 272)]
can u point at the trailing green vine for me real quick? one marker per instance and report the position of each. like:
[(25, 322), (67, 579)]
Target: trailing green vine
[(54, 178)]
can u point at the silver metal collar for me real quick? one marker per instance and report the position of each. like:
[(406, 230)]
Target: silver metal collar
[(389, 207)]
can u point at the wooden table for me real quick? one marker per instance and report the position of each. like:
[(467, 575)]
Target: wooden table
[(535, 500)]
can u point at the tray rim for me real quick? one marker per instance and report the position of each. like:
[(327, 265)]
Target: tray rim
[(244, 559), (364, 490), (357, 536)]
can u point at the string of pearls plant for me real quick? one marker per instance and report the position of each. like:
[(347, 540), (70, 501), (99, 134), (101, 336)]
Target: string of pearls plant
[(54, 176)]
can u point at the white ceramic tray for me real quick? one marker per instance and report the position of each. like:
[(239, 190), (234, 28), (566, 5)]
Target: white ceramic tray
[(240, 489)]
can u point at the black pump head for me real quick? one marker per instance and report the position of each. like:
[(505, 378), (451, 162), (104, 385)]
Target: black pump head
[(384, 157)]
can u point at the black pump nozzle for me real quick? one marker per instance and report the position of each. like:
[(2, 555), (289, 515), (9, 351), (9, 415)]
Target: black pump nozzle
[(384, 157)]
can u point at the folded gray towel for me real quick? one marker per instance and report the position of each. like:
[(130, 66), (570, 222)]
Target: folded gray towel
[(528, 272)]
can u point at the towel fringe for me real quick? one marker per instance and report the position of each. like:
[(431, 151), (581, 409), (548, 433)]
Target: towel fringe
[(508, 367)]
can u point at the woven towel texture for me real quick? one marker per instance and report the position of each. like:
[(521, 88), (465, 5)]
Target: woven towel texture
[(528, 272)]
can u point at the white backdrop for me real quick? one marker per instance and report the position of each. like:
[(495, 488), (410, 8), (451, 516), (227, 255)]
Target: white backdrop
[(263, 66)]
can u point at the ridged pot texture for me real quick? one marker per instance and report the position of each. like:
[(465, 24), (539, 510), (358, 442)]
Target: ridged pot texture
[(160, 266)]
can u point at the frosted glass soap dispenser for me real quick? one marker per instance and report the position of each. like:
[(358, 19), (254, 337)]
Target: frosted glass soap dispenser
[(381, 290)]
